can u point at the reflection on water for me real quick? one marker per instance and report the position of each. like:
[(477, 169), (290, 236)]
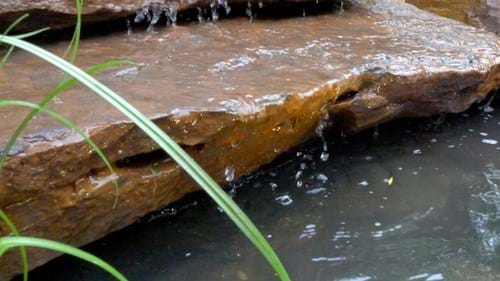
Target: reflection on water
[(418, 200)]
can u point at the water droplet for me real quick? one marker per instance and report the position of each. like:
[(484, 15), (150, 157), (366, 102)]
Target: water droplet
[(363, 183), (300, 183), (324, 156), (284, 200), (229, 173), (489, 141), (322, 177)]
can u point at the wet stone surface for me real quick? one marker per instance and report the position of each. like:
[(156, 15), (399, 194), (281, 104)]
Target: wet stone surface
[(58, 14), (480, 13), (234, 94), (438, 219)]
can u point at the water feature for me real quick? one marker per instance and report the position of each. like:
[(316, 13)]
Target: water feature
[(235, 94), (376, 210)]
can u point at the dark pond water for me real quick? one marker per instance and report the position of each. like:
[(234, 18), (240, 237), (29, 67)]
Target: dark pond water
[(417, 200)]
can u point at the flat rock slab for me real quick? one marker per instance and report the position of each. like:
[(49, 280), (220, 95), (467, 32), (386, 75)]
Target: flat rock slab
[(58, 14), (480, 13), (235, 94)]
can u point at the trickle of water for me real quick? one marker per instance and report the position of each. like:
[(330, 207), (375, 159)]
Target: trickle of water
[(141, 14), (226, 6), (171, 14), (487, 107), (213, 9), (129, 27), (322, 124), (200, 15), (156, 12), (249, 10), (229, 173)]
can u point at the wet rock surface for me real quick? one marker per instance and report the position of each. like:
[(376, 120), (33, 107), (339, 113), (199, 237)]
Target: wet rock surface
[(235, 94), (480, 13), (58, 14)]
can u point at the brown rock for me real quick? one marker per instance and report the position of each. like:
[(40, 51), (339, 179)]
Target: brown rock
[(234, 94), (58, 14), (480, 13)]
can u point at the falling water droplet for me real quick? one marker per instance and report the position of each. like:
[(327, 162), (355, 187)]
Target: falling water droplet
[(226, 6), (213, 9), (200, 15), (249, 10), (129, 27), (322, 124), (229, 173), (324, 156)]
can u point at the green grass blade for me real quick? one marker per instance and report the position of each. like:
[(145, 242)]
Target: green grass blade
[(22, 251), (64, 85), (11, 49), (7, 30), (168, 145), (75, 41), (32, 33), (15, 23), (7, 243), (67, 123), (6, 57)]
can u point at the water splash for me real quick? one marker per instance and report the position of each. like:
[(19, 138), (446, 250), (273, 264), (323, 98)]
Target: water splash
[(284, 200), (485, 213)]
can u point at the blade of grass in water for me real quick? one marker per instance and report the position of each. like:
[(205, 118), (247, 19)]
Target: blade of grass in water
[(22, 251), (66, 122), (168, 145), (7, 243)]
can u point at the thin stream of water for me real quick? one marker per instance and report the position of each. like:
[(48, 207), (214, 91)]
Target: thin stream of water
[(421, 201)]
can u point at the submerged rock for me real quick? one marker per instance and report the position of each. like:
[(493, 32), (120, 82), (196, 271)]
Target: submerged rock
[(235, 94), (480, 13)]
